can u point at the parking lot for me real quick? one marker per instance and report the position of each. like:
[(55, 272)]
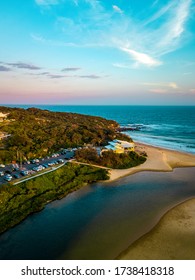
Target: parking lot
[(12, 172)]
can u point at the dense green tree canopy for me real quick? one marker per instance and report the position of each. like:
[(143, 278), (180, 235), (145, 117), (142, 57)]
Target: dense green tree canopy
[(36, 133), (109, 158)]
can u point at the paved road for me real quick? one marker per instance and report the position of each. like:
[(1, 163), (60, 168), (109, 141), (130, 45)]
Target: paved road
[(47, 171)]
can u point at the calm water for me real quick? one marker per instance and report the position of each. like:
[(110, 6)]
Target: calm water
[(166, 126), (98, 221)]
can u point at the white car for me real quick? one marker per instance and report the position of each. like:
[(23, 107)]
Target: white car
[(8, 177), (60, 160), (2, 165)]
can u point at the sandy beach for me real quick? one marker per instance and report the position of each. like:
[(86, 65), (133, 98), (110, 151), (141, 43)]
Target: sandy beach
[(171, 239), (158, 159)]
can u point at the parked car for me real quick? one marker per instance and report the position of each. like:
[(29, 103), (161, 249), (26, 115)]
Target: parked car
[(2, 165), (17, 176), (24, 172), (35, 168), (8, 177), (60, 160), (53, 155), (8, 172), (1, 173), (15, 168), (40, 167)]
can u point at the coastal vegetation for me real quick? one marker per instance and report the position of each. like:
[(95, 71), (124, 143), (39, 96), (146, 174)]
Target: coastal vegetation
[(18, 201), (35, 133), (109, 158)]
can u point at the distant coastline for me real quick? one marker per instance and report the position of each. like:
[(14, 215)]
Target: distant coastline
[(170, 127)]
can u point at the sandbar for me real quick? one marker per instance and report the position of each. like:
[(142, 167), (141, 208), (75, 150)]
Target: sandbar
[(173, 238), (158, 159)]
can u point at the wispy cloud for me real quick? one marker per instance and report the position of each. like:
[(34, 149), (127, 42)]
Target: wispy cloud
[(155, 3), (117, 9), (161, 12), (158, 90), (70, 69), (43, 73), (76, 2), (142, 58), (153, 37), (122, 65), (89, 76), (4, 69), (170, 87), (174, 27), (173, 85), (145, 39), (56, 76), (46, 2), (22, 65), (50, 42), (53, 76)]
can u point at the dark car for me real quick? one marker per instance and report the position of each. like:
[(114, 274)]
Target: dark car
[(24, 172), (17, 176), (15, 168), (8, 172)]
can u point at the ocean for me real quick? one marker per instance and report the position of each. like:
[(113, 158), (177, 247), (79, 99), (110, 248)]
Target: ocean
[(171, 127)]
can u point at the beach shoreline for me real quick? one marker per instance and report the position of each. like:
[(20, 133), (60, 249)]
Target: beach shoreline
[(172, 238), (158, 159)]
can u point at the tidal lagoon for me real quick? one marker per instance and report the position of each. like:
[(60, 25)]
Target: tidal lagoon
[(101, 220)]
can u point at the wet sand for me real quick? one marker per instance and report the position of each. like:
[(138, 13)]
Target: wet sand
[(172, 239), (174, 236), (158, 159)]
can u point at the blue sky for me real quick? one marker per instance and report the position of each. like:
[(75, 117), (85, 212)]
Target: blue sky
[(97, 52)]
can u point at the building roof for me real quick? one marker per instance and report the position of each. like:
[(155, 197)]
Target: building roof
[(110, 147), (120, 143)]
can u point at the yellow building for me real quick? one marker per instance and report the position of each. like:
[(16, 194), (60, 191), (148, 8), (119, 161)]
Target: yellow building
[(119, 146)]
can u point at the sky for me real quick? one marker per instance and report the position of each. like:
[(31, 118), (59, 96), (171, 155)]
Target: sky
[(111, 52)]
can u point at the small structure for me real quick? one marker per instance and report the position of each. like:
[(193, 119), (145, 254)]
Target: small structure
[(119, 146)]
